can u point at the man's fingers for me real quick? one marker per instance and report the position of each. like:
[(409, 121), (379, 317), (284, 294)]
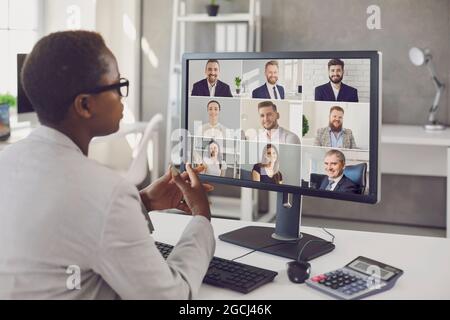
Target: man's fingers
[(176, 176), (184, 207), (208, 187)]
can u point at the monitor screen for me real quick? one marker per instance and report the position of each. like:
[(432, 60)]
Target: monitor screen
[(297, 122)]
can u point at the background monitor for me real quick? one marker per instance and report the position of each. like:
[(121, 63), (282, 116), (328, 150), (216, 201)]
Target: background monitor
[(26, 113), (321, 142)]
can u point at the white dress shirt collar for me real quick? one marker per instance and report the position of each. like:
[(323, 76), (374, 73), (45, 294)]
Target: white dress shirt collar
[(45, 133), (336, 181)]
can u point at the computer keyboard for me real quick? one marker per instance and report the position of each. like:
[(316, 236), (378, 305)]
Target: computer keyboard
[(229, 274)]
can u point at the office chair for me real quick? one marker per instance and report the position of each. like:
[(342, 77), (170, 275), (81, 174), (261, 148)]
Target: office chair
[(139, 168), (246, 175), (357, 173)]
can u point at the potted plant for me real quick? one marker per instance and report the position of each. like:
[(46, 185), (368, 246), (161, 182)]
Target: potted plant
[(212, 8), (6, 101), (238, 81)]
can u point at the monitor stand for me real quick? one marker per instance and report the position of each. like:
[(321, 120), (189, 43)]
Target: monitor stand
[(284, 240)]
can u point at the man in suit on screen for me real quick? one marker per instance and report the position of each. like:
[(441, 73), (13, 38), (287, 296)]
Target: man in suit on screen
[(211, 86), (336, 90), (270, 89)]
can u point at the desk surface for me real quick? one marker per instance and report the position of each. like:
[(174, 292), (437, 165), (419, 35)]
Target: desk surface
[(425, 260)]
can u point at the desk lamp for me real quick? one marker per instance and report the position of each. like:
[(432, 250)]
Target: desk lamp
[(420, 57)]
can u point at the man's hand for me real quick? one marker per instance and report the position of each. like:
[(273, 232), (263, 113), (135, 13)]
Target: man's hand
[(193, 192), (165, 194)]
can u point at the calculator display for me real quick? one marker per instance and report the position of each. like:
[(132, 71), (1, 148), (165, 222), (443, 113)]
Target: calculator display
[(372, 268)]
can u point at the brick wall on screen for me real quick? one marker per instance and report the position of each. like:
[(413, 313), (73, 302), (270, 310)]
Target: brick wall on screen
[(356, 74)]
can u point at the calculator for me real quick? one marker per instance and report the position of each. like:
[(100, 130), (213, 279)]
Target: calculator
[(360, 278)]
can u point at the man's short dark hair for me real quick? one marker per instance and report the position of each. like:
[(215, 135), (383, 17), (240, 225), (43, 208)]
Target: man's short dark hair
[(337, 153), (213, 101), (212, 61), (337, 108), (61, 66), (336, 62), (267, 104)]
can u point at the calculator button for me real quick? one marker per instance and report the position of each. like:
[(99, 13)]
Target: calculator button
[(316, 279), (328, 283), (348, 292)]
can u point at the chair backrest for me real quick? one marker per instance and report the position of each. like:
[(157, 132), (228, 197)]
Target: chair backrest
[(246, 175), (315, 180), (138, 170), (357, 173)]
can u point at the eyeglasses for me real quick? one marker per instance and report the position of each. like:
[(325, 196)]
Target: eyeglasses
[(121, 87)]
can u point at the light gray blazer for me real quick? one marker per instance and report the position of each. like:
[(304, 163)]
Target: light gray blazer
[(323, 138), (64, 215)]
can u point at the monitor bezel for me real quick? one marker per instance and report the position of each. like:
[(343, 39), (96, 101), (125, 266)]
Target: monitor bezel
[(375, 117)]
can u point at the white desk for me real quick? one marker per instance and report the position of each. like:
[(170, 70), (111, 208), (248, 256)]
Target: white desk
[(410, 150), (425, 261)]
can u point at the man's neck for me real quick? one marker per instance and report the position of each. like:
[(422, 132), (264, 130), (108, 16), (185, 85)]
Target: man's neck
[(274, 128), (80, 137), (212, 84), (336, 85), (213, 123)]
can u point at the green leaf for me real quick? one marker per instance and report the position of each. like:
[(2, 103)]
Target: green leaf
[(8, 99), (305, 126)]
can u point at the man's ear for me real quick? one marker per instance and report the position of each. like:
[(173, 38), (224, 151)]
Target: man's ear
[(82, 106), (278, 115)]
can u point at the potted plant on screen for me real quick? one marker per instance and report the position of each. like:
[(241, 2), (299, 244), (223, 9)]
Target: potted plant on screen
[(305, 126), (6, 101), (237, 82), (212, 8)]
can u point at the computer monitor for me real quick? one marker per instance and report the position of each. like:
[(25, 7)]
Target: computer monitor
[(248, 124), (25, 111)]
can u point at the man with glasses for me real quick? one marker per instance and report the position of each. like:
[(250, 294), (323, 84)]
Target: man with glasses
[(71, 228)]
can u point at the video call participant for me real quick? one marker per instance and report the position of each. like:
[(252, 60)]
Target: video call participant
[(272, 132), (336, 90), (268, 170), (270, 90), (72, 211), (335, 135), (211, 86), (334, 163), (213, 129), (213, 163)]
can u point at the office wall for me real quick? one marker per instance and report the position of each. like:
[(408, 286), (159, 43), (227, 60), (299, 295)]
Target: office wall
[(407, 89), (119, 23), (156, 33)]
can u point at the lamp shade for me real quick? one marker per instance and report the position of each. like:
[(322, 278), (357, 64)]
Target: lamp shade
[(417, 56)]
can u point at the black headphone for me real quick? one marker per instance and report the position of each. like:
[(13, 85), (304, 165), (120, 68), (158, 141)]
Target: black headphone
[(299, 270)]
